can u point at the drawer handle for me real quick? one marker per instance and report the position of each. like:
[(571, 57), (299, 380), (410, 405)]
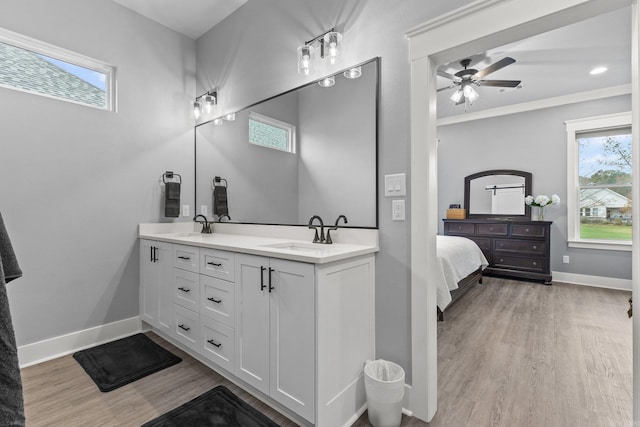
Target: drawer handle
[(501, 260), (535, 263), (185, 290), (526, 230), (217, 301), (535, 247), (215, 344), (262, 285), (186, 258), (185, 328), (459, 227), (214, 264), (271, 270)]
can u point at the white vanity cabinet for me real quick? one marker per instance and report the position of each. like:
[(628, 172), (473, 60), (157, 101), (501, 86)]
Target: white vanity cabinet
[(156, 298), (275, 330), (185, 291)]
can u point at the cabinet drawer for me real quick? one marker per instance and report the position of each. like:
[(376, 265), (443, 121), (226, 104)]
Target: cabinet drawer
[(218, 264), (217, 299), (492, 229), (520, 246), (522, 230), (186, 257), (532, 264), (218, 343), (186, 326), (453, 228), (186, 289), (483, 243)]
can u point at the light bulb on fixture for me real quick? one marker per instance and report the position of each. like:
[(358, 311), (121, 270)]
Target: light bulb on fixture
[(217, 121), (327, 81), (457, 96), (209, 102), (332, 45), (230, 117), (305, 60), (470, 93), (353, 73), (197, 111)]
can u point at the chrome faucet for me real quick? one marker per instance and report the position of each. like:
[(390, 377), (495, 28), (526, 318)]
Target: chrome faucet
[(206, 227), (335, 227), (317, 239)]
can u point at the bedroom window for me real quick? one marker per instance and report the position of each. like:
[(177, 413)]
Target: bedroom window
[(29, 65), (599, 182), (271, 133)]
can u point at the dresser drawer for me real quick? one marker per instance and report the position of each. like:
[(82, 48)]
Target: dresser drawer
[(186, 326), (519, 246), (483, 243), (532, 264), (492, 229), (452, 228), (186, 289), (218, 343), (186, 257), (217, 299), (218, 264), (522, 230)]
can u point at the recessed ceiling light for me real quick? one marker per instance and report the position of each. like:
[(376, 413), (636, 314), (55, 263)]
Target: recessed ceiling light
[(598, 70)]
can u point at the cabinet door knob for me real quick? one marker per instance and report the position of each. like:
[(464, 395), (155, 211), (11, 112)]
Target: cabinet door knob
[(535, 263), (526, 230), (185, 290), (215, 344), (185, 328), (217, 301), (184, 257), (262, 285), (215, 264), (535, 247)]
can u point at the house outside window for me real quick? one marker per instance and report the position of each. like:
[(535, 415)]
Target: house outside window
[(29, 65), (599, 182)]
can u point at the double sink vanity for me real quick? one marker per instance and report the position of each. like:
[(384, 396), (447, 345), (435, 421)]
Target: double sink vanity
[(289, 320)]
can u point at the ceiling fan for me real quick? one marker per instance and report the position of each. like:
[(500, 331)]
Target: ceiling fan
[(465, 79)]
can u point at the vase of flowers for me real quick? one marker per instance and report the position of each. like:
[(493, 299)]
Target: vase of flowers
[(541, 202)]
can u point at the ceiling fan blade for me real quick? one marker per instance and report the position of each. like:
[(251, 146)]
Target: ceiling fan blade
[(448, 76), (445, 88), (499, 83), (494, 67)]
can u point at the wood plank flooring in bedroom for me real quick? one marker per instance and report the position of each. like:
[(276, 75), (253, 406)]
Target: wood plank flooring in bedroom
[(510, 354)]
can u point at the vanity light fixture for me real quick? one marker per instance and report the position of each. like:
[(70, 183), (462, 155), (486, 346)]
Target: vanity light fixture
[(330, 43), (353, 73), (217, 121), (208, 99), (327, 81)]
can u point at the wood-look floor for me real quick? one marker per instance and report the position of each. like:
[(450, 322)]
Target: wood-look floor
[(510, 353)]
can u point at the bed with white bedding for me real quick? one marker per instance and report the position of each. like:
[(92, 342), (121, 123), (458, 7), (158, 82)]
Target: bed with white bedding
[(461, 262)]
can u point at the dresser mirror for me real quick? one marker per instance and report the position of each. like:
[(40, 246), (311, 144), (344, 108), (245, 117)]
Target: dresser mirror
[(497, 194), (309, 151)]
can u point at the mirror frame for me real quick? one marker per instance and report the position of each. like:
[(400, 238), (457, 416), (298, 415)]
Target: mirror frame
[(377, 60), (528, 177)]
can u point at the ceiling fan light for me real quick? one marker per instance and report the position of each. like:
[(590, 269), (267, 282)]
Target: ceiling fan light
[(457, 95), (470, 93)]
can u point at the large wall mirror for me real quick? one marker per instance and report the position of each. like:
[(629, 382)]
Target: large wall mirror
[(497, 194), (309, 151)]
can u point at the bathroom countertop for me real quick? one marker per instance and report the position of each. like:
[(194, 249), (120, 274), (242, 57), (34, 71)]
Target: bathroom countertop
[(274, 247)]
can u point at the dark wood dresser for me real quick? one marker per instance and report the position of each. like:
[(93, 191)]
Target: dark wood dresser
[(517, 249)]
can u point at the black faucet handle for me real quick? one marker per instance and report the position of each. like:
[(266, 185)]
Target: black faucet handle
[(328, 240)]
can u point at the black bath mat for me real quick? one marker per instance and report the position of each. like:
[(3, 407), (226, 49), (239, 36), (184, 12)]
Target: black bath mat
[(218, 407), (123, 361)]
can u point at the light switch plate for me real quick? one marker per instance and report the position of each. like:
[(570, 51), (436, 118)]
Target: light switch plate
[(204, 209), (185, 210), (395, 185), (397, 210)]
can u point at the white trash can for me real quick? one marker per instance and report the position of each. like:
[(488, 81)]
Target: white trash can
[(384, 385)]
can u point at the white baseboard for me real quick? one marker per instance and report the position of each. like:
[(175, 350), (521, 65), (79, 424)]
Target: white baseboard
[(596, 281), (38, 352)]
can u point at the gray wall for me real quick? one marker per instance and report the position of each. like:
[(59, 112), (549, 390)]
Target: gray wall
[(252, 55), (535, 142), (337, 150), (224, 150), (75, 180)]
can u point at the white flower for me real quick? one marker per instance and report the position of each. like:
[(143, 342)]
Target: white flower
[(555, 199), (528, 200), (542, 200)]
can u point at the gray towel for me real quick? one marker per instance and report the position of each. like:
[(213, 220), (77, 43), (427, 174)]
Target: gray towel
[(11, 400), (172, 199)]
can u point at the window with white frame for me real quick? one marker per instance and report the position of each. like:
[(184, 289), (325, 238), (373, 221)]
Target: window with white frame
[(271, 133), (37, 67), (599, 182)]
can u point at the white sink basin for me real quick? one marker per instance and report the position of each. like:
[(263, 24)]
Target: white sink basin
[(294, 246)]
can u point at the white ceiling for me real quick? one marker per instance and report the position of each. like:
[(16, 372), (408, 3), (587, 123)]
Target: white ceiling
[(192, 18), (551, 64)]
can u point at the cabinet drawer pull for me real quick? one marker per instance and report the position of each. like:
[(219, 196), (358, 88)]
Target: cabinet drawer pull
[(185, 328), (214, 264), (217, 301), (526, 230), (185, 290), (186, 258), (271, 270), (535, 247), (262, 286), (535, 263), (215, 344)]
